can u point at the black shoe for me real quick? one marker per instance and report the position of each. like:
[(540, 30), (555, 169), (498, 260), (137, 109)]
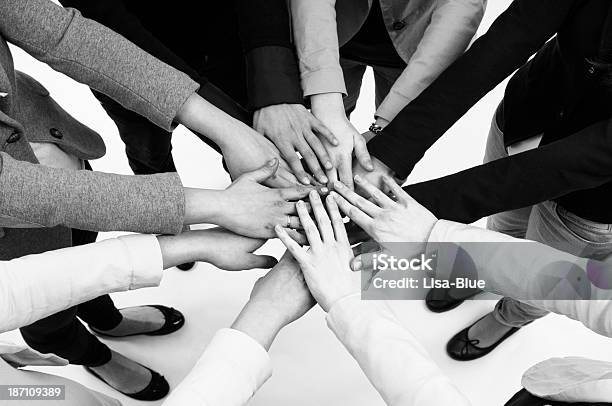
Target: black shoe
[(188, 266), (174, 321), (157, 389), (440, 300), (461, 348)]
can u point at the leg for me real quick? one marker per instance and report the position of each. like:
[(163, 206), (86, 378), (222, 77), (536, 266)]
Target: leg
[(353, 76), (148, 147), (556, 227), (384, 78)]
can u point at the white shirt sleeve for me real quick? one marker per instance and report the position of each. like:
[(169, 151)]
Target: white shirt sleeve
[(520, 269), (36, 286), (398, 366), (229, 372)]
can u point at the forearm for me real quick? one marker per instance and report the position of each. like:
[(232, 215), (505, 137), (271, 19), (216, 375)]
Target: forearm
[(208, 121), (97, 201), (528, 271), (452, 27), (492, 58), (37, 286), (316, 41), (521, 180)]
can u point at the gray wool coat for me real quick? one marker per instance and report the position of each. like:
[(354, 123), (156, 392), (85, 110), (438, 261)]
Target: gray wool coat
[(52, 201)]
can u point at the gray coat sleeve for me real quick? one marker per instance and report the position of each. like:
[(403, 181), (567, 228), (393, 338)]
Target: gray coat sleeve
[(96, 56), (42, 196)]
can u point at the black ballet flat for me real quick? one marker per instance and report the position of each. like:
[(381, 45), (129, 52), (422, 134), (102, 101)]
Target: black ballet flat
[(157, 389), (187, 266), (461, 348), (440, 300), (174, 321)]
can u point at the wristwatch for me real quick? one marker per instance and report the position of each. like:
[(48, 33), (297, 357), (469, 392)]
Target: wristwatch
[(375, 128)]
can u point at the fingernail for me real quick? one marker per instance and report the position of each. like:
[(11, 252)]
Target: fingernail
[(357, 178), (305, 180), (313, 194), (324, 179), (338, 185), (328, 165), (370, 166), (272, 162), (324, 190), (335, 141), (299, 203), (356, 265), (278, 228)]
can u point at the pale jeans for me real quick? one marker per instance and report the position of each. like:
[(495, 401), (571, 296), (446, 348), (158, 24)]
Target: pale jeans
[(547, 223)]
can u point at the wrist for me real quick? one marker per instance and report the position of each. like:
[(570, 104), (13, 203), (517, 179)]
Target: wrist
[(203, 206), (258, 323), (328, 106), (381, 122), (180, 249)]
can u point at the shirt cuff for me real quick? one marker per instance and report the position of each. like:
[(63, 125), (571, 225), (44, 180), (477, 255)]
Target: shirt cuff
[(351, 311), (327, 80), (231, 369), (273, 77), (146, 262)]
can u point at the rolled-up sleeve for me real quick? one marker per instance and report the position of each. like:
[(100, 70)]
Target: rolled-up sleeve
[(316, 39), (98, 57)]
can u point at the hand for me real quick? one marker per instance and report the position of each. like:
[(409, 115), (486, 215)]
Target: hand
[(385, 220), (329, 109), (277, 299), (292, 128), (375, 176), (222, 248), (326, 265), (249, 208), (251, 152)]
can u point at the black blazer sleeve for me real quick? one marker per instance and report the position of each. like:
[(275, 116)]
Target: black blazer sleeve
[(272, 70), (517, 34), (580, 161), (114, 15)]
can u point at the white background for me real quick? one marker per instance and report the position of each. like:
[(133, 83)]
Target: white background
[(310, 366)]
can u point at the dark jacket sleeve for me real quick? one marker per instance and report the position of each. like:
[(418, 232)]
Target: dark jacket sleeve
[(522, 180), (272, 69), (517, 34)]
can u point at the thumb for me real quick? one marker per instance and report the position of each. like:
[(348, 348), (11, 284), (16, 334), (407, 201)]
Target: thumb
[(260, 261), (264, 173)]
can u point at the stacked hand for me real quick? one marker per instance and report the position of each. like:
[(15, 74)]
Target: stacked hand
[(291, 127), (251, 152), (277, 299), (329, 109), (385, 220), (249, 208), (222, 248), (326, 264)]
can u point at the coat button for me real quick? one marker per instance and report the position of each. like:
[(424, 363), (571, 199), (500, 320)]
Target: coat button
[(399, 25), (55, 133), (14, 137)]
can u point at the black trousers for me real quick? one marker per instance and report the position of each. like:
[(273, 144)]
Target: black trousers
[(149, 147), (524, 398), (63, 333)]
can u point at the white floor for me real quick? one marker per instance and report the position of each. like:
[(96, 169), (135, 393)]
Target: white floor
[(310, 365)]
